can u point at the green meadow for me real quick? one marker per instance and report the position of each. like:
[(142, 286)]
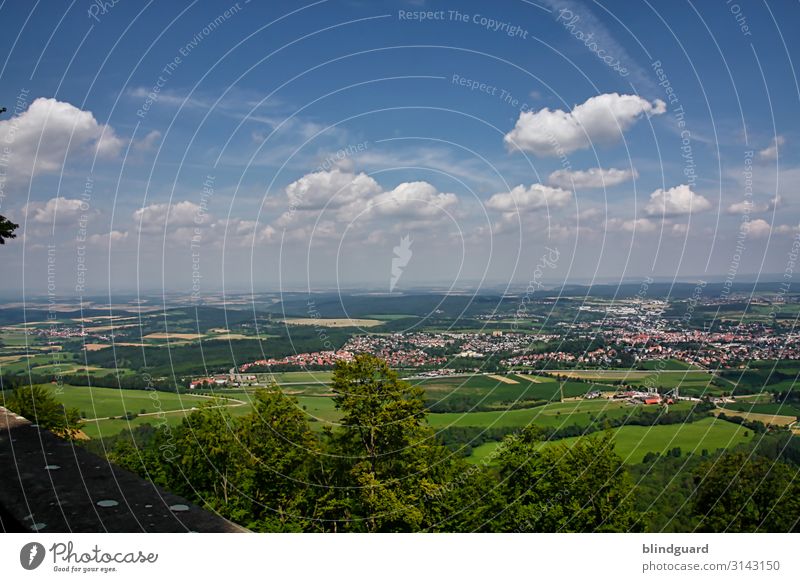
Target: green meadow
[(632, 443)]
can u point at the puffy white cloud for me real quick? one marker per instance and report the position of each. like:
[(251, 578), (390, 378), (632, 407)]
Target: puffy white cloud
[(640, 224), (41, 137), (155, 217), (109, 238), (771, 153), (757, 228), (243, 233), (633, 225), (676, 201), (554, 132), (331, 189), (323, 200), (533, 197), (109, 144), (412, 200), (57, 211), (184, 222), (748, 206), (591, 178)]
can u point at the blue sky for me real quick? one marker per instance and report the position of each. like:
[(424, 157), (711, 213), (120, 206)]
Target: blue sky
[(221, 145)]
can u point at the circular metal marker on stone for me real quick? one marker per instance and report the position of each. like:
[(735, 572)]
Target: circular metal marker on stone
[(179, 507), (107, 503)]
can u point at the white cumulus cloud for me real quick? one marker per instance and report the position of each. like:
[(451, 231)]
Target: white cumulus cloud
[(758, 228), (676, 201), (155, 217), (56, 211), (632, 225), (748, 206), (328, 198), (553, 132), (591, 178), (41, 137), (533, 197), (330, 189), (412, 199), (112, 237)]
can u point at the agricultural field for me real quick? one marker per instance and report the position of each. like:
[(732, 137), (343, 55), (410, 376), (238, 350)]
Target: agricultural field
[(632, 443), (47, 365), (307, 389), (484, 389), (772, 376), (691, 382), (110, 408), (623, 375), (105, 408), (320, 412), (173, 336), (666, 365), (766, 418), (304, 377), (33, 360), (664, 378), (15, 337), (389, 316), (554, 415), (54, 363), (93, 402), (765, 404), (332, 322)]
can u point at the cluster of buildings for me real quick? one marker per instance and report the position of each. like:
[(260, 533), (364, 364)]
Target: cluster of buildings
[(218, 381), (725, 347), (647, 398), (303, 360), (625, 338), (412, 349), (500, 342), (598, 357), (57, 331)]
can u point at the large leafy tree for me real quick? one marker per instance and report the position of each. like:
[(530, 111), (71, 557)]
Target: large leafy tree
[(559, 488), (740, 493), (253, 469), (277, 449), (38, 404), (144, 450), (386, 472), (203, 459)]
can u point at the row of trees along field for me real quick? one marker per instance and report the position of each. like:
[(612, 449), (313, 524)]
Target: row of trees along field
[(383, 469)]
